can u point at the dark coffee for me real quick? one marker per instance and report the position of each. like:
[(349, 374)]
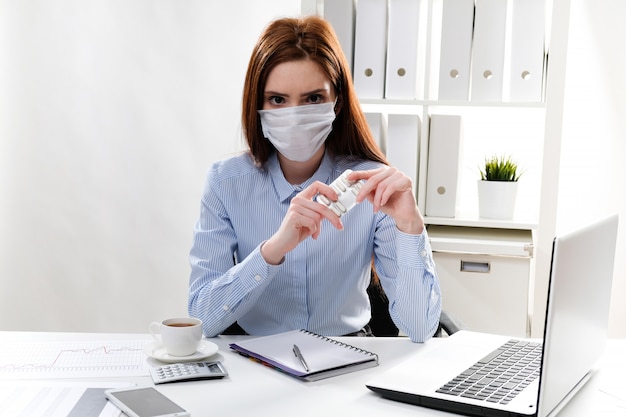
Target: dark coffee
[(181, 324)]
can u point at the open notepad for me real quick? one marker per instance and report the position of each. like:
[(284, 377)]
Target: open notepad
[(324, 357)]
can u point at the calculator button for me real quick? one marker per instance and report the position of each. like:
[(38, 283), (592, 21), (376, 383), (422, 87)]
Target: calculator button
[(184, 372)]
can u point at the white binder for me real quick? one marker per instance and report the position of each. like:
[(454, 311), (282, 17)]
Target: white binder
[(401, 71), (444, 152), (527, 50), (403, 144), (376, 123), (488, 50), (340, 14), (457, 19), (370, 44)]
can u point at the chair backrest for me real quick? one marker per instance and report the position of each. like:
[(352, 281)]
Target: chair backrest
[(381, 323)]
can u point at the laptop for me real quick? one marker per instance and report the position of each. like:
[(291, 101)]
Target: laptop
[(440, 376)]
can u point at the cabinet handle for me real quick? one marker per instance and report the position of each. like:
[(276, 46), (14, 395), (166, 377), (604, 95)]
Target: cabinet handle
[(482, 267)]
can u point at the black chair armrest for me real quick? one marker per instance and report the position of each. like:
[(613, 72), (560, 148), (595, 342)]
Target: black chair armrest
[(450, 324)]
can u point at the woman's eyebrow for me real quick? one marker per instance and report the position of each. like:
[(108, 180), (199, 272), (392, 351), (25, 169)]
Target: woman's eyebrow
[(316, 91), (275, 93), (305, 94)]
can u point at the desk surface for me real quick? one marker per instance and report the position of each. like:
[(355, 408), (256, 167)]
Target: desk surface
[(255, 390)]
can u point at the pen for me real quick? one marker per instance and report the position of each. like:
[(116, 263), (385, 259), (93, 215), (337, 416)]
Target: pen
[(296, 351)]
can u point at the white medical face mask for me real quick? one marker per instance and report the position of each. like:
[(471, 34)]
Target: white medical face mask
[(298, 132)]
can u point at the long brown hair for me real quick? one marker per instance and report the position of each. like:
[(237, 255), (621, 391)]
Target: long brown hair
[(310, 37)]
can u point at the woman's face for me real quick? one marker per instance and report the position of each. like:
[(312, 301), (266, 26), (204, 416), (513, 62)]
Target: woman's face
[(296, 83)]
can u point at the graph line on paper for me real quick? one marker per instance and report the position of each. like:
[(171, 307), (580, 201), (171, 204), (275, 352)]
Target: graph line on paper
[(73, 359)]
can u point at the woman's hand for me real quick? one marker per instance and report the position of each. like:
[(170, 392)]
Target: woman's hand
[(303, 219), (391, 192)]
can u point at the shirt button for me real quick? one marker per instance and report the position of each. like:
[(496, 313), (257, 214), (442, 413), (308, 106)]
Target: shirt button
[(423, 254), (225, 307), (258, 278)]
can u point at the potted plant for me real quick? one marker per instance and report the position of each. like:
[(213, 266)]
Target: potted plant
[(497, 187)]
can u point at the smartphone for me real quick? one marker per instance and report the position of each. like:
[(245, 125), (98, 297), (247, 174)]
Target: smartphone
[(144, 402)]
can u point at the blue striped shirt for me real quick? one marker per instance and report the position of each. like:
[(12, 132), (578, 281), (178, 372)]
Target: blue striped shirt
[(321, 284)]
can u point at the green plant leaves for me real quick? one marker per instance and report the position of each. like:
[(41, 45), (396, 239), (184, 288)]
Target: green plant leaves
[(500, 168)]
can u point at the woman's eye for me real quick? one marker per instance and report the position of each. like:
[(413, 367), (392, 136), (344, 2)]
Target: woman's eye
[(314, 99), (276, 100)]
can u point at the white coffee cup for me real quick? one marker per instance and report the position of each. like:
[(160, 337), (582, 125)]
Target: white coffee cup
[(179, 336)]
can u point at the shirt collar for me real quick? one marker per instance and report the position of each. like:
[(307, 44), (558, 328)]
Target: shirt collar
[(284, 189)]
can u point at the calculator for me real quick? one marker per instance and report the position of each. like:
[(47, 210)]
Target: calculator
[(346, 194), (189, 371)]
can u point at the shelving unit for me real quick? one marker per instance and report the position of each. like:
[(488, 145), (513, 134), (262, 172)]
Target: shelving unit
[(529, 129), (530, 124)]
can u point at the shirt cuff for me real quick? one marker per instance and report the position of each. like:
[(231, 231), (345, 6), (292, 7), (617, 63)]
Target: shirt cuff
[(408, 246), (257, 270)]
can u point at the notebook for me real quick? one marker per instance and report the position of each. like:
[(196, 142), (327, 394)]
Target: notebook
[(574, 338), (321, 357)]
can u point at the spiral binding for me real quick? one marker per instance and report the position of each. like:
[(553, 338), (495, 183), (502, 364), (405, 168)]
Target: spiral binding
[(337, 342)]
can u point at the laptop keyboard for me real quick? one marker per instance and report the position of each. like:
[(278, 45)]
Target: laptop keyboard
[(499, 376)]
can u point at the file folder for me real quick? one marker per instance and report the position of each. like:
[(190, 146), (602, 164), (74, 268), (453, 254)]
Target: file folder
[(457, 20), (370, 44), (341, 14), (488, 50), (401, 74), (376, 123), (444, 152), (403, 144), (527, 50)]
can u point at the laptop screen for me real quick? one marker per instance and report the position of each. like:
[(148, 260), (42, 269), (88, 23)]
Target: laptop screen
[(577, 314)]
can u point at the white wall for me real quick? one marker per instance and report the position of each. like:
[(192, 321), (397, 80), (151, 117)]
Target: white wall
[(110, 113), (593, 149)]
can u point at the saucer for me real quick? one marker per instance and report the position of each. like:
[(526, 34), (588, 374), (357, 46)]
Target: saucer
[(157, 351)]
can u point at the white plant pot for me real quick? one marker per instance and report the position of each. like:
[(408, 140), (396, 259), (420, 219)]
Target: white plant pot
[(496, 199)]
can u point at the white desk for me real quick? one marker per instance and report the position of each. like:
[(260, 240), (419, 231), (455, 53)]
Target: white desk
[(255, 390)]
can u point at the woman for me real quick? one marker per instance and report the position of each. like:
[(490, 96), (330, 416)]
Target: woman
[(266, 254)]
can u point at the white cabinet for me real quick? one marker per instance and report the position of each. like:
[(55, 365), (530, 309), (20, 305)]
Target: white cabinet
[(484, 275)]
